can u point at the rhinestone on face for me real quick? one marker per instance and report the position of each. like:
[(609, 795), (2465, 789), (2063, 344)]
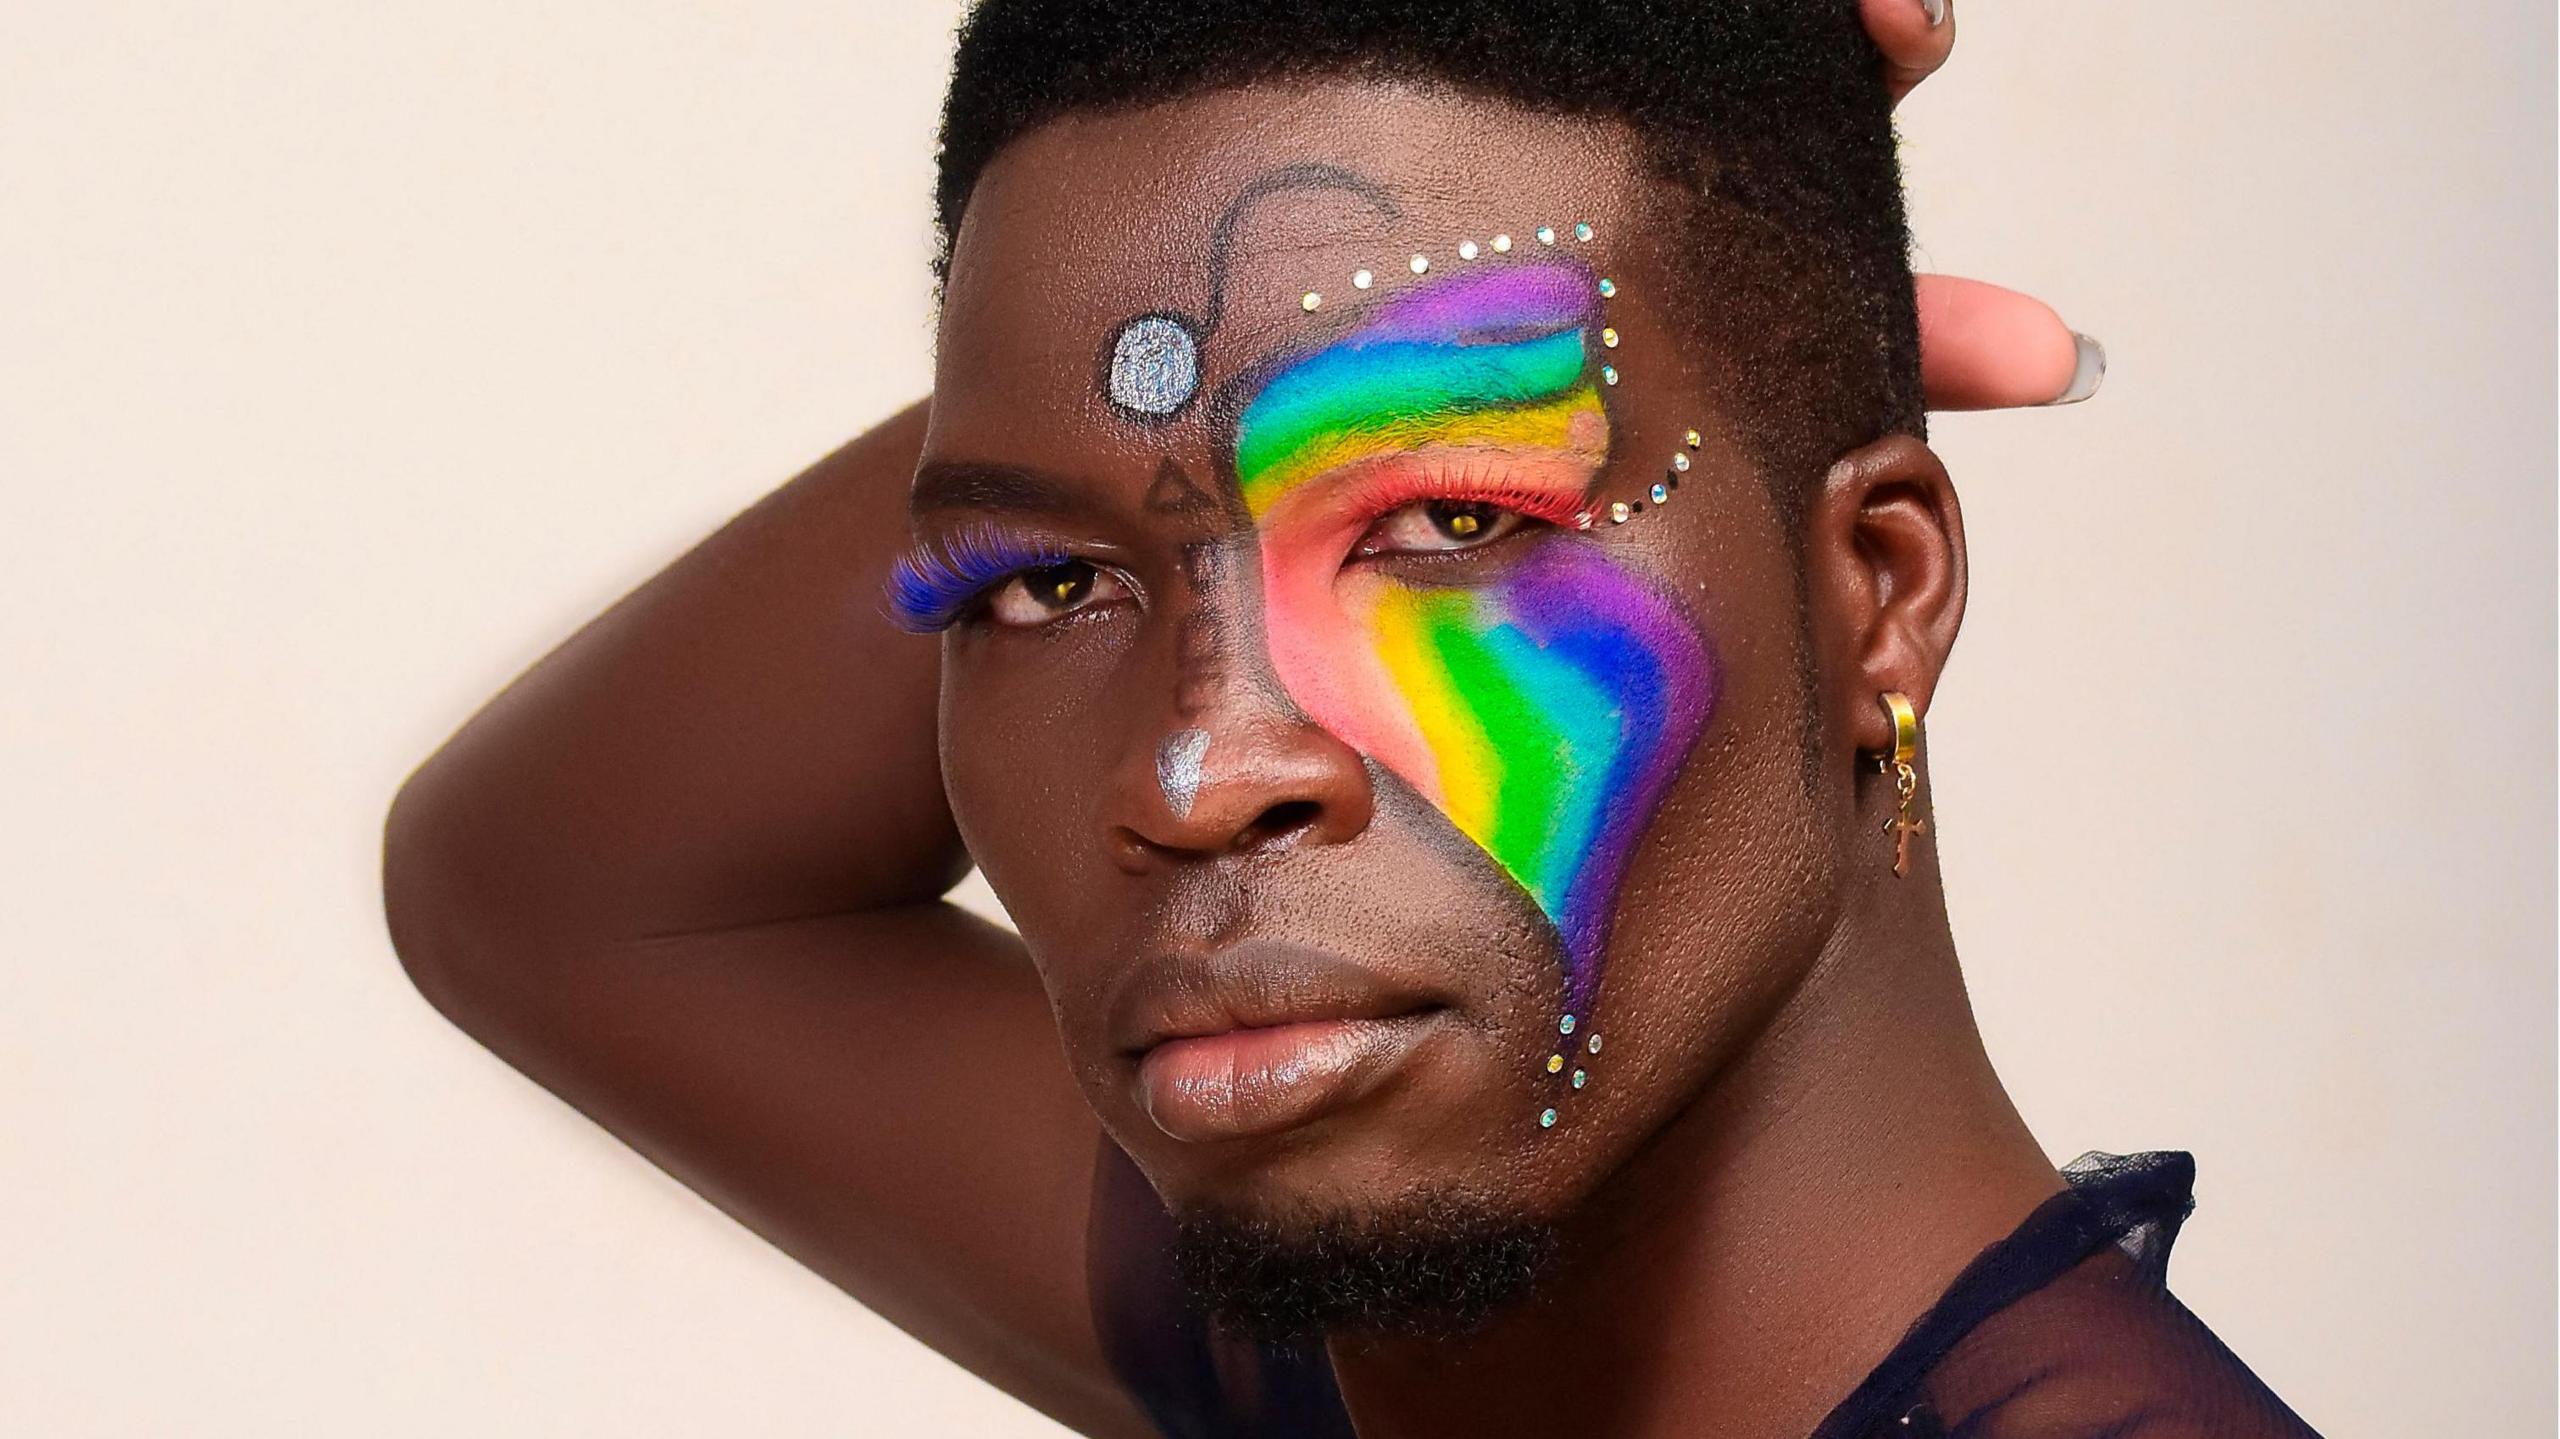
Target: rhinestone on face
[(1546, 234), (1695, 439), (1661, 492), (1502, 244), (1310, 300), (1618, 513), (1555, 1064), (1580, 1079), (1608, 374), (1421, 264), (1547, 1119), (1565, 1025), (1466, 249), (1608, 289), (1680, 462), (1582, 232), (1594, 1046), (1362, 279), (1609, 337)]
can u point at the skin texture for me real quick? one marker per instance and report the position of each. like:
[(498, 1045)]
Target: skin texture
[(1761, 948), (1542, 709), (675, 864)]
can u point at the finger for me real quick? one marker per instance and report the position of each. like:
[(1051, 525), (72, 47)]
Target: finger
[(1915, 36), (1986, 348)]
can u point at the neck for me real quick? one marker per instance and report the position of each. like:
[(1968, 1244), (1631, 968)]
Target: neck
[(1764, 1251)]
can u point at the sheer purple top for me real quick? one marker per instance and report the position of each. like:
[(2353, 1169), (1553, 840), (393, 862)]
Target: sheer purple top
[(2065, 1329)]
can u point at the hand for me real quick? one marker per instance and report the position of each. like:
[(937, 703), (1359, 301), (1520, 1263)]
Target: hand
[(1981, 347)]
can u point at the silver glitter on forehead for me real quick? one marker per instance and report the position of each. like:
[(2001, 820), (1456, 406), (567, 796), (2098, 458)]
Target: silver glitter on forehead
[(1155, 366)]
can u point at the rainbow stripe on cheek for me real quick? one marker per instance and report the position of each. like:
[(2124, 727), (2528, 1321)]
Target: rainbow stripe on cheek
[(1556, 707), (1546, 712)]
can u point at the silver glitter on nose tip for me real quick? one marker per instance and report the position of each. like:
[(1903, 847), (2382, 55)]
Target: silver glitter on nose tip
[(1178, 769), (1155, 366)]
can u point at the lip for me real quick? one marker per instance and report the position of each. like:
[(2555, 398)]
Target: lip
[(1262, 1037)]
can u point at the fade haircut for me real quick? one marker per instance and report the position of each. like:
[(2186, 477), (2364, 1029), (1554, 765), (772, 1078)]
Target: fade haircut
[(1769, 116)]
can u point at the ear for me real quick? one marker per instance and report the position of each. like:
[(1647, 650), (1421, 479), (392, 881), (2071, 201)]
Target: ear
[(1885, 579)]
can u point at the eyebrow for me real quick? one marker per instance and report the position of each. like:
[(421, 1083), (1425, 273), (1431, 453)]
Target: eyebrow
[(976, 485)]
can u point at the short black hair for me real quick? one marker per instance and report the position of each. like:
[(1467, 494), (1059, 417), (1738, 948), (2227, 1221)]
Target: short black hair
[(1772, 113)]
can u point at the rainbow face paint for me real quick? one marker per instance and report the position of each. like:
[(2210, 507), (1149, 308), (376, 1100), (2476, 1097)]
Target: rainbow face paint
[(1544, 705), (1495, 359), (1555, 706)]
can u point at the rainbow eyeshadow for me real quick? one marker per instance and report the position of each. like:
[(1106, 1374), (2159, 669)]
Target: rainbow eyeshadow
[(1491, 358), (1556, 704), (930, 585)]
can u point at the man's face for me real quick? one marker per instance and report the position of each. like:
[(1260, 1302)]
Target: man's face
[(1387, 816)]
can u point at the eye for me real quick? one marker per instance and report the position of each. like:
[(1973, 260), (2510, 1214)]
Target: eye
[(1438, 527), (1037, 596)]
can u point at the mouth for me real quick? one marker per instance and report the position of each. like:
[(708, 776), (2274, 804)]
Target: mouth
[(1262, 1037)]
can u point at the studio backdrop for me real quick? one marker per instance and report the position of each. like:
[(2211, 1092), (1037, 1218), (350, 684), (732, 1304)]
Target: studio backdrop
[(351, 355)]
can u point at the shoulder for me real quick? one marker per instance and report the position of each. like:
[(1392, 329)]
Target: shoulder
[(2104, 1350)]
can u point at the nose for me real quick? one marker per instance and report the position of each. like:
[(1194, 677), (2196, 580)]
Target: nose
[(1245, 772)]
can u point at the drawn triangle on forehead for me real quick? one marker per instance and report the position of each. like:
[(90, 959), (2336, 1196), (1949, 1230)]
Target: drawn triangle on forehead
[(1174, 492)]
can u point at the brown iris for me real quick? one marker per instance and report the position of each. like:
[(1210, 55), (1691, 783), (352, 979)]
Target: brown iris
[(1059, 586), (1460, 519)]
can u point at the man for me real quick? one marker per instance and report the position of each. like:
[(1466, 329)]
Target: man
[(1439, 575)]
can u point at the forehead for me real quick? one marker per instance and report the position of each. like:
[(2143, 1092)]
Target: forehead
[(1092, 220)]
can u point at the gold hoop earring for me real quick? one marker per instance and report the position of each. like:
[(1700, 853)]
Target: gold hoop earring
[(1906, 780)]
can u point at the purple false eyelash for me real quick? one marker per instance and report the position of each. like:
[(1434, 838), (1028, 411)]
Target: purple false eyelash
[(932, 584)]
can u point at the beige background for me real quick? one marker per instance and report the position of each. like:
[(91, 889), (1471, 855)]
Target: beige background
[(350, 354)]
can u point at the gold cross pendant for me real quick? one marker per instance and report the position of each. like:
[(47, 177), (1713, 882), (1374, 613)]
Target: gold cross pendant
[(1902, 827)]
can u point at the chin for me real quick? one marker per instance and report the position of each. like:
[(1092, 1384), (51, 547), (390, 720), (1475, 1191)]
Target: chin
[(1434, 1262)]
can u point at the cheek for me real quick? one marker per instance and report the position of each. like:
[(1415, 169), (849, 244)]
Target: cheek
[(1028, 748), (1545, 714), (1324, 633)]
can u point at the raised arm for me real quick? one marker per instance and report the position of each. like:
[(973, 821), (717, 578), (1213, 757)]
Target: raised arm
[(686, 873)]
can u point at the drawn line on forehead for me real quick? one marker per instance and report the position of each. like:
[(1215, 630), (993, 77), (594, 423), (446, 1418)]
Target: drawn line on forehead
[(1150, 367), (1309, 175)]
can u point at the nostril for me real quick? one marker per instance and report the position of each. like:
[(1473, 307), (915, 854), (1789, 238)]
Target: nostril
[(1279, 822)]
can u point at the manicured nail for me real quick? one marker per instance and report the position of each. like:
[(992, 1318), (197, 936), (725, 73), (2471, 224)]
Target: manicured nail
[(2086, 376), (1936, 10)]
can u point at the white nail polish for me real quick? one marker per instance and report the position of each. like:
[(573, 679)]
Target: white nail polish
[(1936, 10), (2088, 374)]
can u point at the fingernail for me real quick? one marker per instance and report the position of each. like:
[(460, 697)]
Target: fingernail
[(1936, 10), (2086, 376)]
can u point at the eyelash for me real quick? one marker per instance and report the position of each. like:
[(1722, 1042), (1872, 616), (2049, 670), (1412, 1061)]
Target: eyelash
[(1384, 494), (934, 585)]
